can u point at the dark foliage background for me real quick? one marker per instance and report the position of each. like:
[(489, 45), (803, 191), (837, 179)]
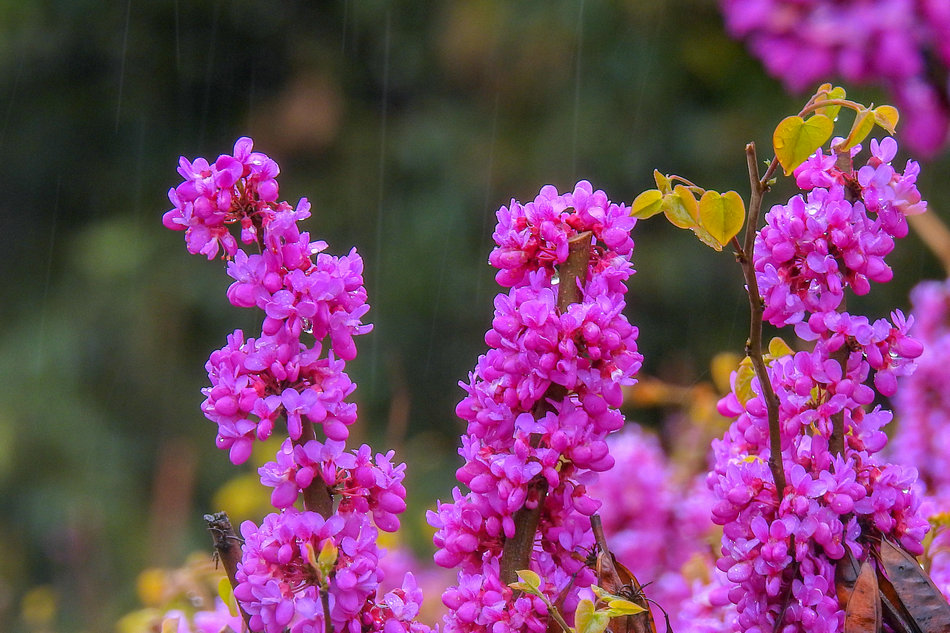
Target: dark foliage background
[(407, 124)]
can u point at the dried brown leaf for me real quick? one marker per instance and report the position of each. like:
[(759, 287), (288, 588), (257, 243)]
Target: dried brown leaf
[(913, 588), (863, 613)]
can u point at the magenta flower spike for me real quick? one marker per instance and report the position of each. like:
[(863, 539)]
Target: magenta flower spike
[(538, 407), (316, 569), (780, 548)]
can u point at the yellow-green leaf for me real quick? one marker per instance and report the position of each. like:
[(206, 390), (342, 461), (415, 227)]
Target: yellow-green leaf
[(778, 348), (887, 117), (529, 578), (662, 182), (721, 215), (327, 557), (681, 208), (795, 139), (587, 620), (647, 204), (827, 92), (706, 238), (583, 614), (616, 608), (743, 383), (226, 593), (862, 126), (311, 555)]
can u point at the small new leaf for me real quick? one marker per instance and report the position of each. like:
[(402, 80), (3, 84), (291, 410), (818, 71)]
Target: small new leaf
[(588, 620), (327, 558), (620, 607), (647, 204), (862, 126), (778, 348), (721, 215), (887, 117), (662, 182), (795, 139), (743, 384), (226, 593), (530, 582), (596, 624), (827, 92)]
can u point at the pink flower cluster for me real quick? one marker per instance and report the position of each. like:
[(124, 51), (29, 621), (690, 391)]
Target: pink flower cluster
[(364, 485), (780, 547), (811, 249), (922, 404), (893, 43), (538, 408), (311, 301), (658, 526)]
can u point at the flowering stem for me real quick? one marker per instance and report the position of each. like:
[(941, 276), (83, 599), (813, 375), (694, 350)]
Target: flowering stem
[(325, 600), (316, 496), (836, 440), (934, 234), (517, 550), (754, 344), (227, 550)]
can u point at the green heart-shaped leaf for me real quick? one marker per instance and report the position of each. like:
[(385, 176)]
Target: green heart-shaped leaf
[(795, 139), (721, 215)]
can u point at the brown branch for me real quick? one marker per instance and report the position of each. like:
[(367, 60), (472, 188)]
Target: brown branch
[(317, 496), (836, 440), (325, 601), (754, 344), (516, 553), (228, 550)]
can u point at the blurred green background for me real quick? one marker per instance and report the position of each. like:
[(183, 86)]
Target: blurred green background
[(407, 124)]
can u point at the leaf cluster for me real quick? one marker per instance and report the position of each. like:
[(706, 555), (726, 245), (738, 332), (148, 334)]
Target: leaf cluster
[(590, 616)]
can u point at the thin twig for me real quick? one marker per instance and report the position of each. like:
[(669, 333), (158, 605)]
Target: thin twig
[(228, 550), (516, 553), (754, 344), (325, 600)]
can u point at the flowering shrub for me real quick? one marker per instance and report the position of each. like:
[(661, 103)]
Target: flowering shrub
[(781, 547), (816, 525), (539, 406), (897, 43), (299, 567), (818, 530)]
